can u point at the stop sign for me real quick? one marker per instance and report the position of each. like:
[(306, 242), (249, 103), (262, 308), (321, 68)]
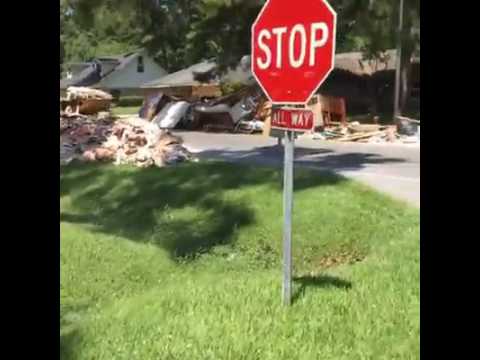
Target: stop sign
[(293, 48)]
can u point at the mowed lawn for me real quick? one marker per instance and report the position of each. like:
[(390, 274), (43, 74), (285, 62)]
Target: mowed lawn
[(125, 110), (184, 262)]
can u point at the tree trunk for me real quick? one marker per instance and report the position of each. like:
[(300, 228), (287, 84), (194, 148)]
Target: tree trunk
[(374, 98), (166, 63), (408, 47), (405, 78)]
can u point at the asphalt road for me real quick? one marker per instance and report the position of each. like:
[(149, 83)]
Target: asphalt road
[(390, 168)]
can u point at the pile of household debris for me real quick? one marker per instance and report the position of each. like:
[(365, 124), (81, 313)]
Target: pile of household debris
[(232, 113), (245, 111), (89, 134), (122, 141), (248, 111), (367, 133), (84, 100)]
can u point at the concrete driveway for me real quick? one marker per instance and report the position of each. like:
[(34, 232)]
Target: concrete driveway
[(393, 169)]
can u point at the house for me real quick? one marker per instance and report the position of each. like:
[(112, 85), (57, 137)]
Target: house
[(355, 63), (368, 85), (119, 75), (365, 84), (362, 82), (196, 80), (200, 80)]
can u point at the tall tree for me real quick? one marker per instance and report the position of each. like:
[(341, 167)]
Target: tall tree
[(373, 27), (160, 26), (165, 24), (180, 32), (223, 30), (107, 30)]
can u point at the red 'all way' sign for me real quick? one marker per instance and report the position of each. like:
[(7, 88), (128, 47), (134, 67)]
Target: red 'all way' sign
[(293, 48), (292, 119)]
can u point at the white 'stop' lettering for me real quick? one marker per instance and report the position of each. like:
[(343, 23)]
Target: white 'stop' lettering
[(318, 38)]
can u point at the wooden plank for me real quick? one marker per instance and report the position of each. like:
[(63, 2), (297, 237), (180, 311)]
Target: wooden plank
[(265, 114), (362, 128), (208, 90), (333, 106), (361, 136), (315, 106)]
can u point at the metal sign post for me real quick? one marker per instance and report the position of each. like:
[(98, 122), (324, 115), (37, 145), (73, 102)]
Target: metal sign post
[(293, 50), (287, 212), (289, 120)]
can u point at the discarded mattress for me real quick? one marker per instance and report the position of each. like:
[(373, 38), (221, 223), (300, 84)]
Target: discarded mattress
[(213, 109), (152, 106), (237, 112), (171, 114)]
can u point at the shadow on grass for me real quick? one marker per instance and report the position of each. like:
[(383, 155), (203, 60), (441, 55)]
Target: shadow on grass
[(322, 281), (70, 337), (68, 343), (143, 204)]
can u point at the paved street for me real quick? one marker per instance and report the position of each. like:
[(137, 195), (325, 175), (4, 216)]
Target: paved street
[(394, 169)]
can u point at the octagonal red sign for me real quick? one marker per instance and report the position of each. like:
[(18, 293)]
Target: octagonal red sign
[(293, 48)]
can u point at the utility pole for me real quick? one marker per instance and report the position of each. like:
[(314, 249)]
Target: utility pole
[(396, 105)]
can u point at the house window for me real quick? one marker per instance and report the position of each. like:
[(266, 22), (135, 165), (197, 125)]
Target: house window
[(140, 67)]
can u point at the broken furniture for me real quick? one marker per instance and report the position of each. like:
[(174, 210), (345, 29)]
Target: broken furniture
[(152, 105), (407, 126), (227, 112), (84, 100), (315, 105), (333, 109)]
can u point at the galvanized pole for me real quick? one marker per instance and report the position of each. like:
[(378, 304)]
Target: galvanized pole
[(287, 210), (396, 105)]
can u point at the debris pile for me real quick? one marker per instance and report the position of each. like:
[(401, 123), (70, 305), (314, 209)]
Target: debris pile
[(365, 133), (244, 111), (232, 113), (121, 141), (357, 132), (249, 111), (84, 100), (86, 93)]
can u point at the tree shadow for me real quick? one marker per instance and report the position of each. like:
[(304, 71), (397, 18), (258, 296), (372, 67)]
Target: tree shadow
[(322, 281), (143, 204), (325, 159), (69, 331), (68, 344)]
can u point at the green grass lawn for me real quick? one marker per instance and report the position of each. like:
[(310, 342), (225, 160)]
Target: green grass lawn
[(125, 110), (185, 263)]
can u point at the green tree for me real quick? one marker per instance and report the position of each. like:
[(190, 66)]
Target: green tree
[(107, 30), (222, 30), (165, 24), (160, 26), (373, 28), (180, 32)]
